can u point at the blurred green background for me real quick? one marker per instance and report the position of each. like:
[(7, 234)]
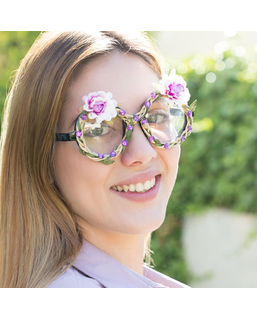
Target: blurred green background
[(218, 162), (218, 166)]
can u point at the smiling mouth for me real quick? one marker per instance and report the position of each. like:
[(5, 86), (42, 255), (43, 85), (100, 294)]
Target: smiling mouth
[(140, 187)]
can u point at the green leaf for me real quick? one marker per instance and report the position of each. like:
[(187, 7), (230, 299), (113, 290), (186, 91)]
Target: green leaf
[(92, 155), (82, 152), (129, 135), (131, 122), (192, 107), (157, 142), (108, 161), (79, 125)]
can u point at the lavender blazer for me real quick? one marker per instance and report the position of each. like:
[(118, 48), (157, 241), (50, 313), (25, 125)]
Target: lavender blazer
[(94, 268)]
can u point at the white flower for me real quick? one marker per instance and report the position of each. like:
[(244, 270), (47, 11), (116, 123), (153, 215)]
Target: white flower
[(175, 87), (100, 106)]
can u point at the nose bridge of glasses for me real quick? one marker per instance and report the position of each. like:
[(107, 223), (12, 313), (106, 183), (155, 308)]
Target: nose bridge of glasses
[(140, 117), (132, 118), (131, 122)]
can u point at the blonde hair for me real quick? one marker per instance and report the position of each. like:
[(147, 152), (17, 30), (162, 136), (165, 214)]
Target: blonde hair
[(39, 237)]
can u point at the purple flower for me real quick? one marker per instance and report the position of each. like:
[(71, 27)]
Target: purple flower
[(130, 127), (84, 117), (136, 118), (183, 138), (189, 128), (153, 95), (78, 134), (189, 114), (144, 121), (151, 138), (100, 155)]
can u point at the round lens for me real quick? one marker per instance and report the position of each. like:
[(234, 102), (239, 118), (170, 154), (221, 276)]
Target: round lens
[(101, 137), (166, 120)]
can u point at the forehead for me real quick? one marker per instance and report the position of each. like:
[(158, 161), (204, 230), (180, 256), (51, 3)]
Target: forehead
[(125, 75)]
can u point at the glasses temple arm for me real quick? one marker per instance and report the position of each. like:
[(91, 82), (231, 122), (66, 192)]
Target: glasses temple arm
[(71, 136)]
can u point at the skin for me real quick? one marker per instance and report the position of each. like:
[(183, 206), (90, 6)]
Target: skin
[(116, 225)]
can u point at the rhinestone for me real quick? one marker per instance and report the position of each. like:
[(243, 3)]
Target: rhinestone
[(147, 104), (122, 112), (124, 143), (113, 154)]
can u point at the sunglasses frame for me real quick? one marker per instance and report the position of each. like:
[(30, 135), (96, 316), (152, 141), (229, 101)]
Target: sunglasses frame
[(130, 121)]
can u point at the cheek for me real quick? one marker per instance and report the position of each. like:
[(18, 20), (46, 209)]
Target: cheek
[(66, 168), (80, 179), (171, 159), (175, 156)]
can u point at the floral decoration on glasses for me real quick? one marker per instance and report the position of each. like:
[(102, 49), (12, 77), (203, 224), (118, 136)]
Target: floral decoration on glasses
[(101, 114)]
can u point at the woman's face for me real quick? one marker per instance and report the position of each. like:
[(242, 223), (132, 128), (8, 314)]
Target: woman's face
[(87, 184)]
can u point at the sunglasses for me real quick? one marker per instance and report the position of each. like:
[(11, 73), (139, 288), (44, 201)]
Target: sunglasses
[(103, 130)]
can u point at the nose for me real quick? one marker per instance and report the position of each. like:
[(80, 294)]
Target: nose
[(139, 150)]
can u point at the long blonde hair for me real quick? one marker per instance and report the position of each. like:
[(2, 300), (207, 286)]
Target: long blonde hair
[(39, 237)]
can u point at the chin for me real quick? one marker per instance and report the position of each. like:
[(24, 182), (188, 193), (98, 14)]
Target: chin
[(146, 222)]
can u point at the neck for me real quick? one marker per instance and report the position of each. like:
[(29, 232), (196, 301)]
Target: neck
[(128, 249)]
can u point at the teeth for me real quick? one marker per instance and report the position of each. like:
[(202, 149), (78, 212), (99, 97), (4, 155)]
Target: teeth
[(132, 188), (125, 188), (147, 185), (139, 187)]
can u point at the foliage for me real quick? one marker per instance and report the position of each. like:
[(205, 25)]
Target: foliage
[(218, 166), (13, 47)]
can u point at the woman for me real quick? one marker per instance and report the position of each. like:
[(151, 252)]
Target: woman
[(88, 161)]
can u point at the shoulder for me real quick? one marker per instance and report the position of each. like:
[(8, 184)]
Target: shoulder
[(161, 278), (72, 278)]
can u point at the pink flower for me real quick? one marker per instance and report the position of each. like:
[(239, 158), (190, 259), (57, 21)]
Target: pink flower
[(100, 106), (175, 90)]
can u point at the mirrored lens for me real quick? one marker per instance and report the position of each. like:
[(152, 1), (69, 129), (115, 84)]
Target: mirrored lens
[(102, 137), (166, 120)]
